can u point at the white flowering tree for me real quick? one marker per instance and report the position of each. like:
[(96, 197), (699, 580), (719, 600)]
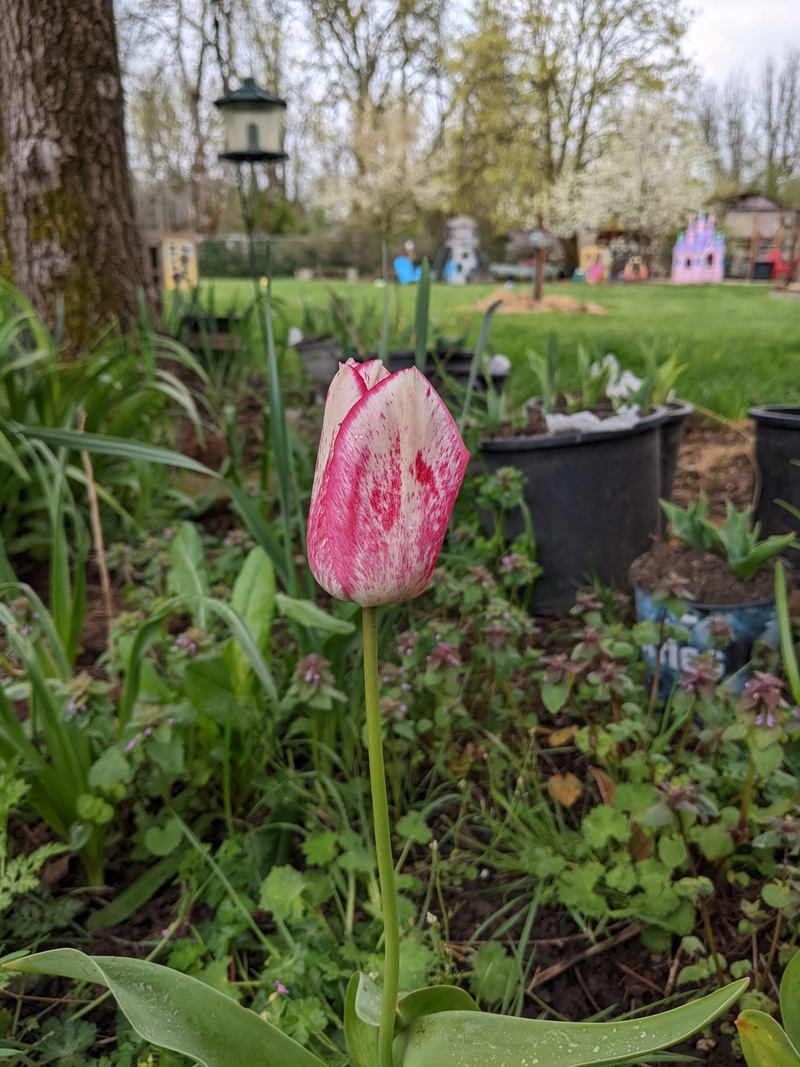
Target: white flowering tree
[(653, 172)]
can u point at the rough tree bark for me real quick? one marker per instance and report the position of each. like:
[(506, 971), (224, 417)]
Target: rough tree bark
[(67, 225)]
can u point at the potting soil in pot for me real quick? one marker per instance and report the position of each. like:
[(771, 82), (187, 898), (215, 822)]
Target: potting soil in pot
[(724, 616)]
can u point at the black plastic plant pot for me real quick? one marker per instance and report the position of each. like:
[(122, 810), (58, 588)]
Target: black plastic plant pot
[(320, 358), (745, 623), (671, 436), (778, 460), (455, 365), (593, 499)]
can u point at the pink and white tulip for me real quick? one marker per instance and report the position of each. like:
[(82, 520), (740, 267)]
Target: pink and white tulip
[(389, 467)]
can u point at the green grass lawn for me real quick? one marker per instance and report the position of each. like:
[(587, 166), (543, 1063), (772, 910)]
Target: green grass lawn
[(740, 343)]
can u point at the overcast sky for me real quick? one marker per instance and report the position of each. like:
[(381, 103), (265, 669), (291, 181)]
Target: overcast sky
[(727, 34)]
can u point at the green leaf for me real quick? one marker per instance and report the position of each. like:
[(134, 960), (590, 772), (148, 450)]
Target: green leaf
[(282, 894), (492, 970), (362, 1001), (776, 895), (163, 840), (109, 769), (209, 688), (416, 963), (764, 1044), (470, 1039), (430, 1001), (253, 597), (603, 825), (715, 842), (790, 1000), (308, 614), (177, 1012), (253, 594), (421, 317), (414, 828), (554, 697), (320, 849), (187, 576)]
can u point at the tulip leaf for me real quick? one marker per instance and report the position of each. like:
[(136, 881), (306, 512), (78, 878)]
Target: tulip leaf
[(480, 348), (431, 1000), (764, 1043), (308, 614), (177, 1012), (362, 1012), (790, 1000), (473, 1039)]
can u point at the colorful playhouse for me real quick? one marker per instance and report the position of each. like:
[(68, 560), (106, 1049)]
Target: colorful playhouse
[(699, 253)]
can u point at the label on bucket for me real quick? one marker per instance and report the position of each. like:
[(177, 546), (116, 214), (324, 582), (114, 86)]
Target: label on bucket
[(726, 634)]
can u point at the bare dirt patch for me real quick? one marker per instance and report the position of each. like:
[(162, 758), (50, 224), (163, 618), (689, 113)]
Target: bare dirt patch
[(718, 458), (518, 302)]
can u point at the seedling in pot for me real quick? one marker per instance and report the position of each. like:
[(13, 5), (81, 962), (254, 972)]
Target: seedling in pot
[(734, 541)]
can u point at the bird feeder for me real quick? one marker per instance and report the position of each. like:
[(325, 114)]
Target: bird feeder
[(255, 124)]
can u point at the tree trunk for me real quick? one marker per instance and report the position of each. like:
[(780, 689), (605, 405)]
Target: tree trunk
[(67, 226)]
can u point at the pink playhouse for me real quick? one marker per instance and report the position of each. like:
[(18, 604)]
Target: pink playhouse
[(699, 253)]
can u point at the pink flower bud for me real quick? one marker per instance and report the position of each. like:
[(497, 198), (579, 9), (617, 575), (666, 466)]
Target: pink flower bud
[(389, 467)]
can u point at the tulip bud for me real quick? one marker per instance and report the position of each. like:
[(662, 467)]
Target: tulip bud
[(389, 467)]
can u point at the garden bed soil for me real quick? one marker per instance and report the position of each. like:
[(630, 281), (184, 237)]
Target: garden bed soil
[(707, 578)]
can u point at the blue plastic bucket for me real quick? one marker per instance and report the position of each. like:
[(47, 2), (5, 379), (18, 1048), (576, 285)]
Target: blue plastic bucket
[(745, 623)]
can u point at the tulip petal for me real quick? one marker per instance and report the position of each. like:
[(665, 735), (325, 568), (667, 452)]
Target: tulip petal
[(395, 470), (346, 389)]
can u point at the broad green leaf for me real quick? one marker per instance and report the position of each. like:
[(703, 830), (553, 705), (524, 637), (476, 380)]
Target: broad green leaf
[(764, 1043), (472, 1039), (308, 614), (164, 840), (253, 597), (431, 1000), (362, 1001), (187, 576), (554, 697), (109, 769), (177, 1012), (790, 1000), (209, 688)]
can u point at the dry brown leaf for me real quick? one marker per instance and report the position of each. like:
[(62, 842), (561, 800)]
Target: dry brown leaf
[(606, 785), (561, 737), (565, 788)]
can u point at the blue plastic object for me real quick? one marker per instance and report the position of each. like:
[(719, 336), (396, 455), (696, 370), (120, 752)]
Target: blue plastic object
[(406, 271), (705, 626)]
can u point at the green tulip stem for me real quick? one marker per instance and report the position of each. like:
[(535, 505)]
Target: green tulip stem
[(383, 839)]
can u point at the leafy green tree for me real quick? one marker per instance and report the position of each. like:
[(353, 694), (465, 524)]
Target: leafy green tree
[(490, 165)]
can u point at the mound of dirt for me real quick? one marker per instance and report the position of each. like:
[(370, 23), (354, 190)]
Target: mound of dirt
[(518, 302)]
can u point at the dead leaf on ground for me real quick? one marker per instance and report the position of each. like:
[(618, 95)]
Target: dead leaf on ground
[(561, 737), (565, 788)]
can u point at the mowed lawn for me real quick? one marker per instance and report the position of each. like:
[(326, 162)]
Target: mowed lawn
[(740, 343)]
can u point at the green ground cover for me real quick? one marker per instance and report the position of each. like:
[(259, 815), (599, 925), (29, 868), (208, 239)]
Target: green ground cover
[(741, 342), (183, 765)]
